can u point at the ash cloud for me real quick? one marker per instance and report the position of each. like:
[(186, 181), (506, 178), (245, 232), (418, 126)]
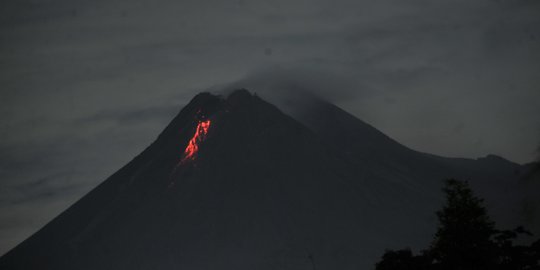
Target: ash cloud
[(277, 81)]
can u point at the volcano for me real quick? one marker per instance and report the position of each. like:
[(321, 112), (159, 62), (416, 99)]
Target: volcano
[(234, 182)]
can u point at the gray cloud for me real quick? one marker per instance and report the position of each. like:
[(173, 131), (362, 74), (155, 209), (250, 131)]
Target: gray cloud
[(87, 85)]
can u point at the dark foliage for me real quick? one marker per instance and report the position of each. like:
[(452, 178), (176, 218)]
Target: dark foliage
[(518, 257), (463, 239), (466, 239), (403, 260)]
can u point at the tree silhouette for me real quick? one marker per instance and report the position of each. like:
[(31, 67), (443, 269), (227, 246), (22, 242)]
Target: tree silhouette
[(463, 239), (466, 239), (517, 257), (403, 260)]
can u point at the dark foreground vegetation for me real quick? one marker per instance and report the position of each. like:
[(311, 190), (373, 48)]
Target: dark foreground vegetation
[(467, 239)]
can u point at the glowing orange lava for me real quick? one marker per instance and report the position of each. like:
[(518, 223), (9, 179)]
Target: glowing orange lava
[(193, 145)]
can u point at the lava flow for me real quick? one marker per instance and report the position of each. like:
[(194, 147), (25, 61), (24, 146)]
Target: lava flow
[(198, 137)]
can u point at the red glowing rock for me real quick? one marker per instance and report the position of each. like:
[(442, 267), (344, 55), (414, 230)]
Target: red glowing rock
[(193, 145)]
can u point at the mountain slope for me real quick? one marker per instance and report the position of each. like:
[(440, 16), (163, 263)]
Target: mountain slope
[(379, 156), (261, 190)]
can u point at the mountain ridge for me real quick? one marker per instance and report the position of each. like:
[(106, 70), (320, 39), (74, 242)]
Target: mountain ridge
[(263, 191)]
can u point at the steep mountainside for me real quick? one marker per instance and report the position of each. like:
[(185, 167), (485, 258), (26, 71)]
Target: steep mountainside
[(235, 183)]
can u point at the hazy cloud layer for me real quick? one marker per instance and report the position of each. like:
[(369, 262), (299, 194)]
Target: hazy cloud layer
[(86, 85)]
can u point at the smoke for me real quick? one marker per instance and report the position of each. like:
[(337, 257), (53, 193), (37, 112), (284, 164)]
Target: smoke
[(417, 107), (278, 82)]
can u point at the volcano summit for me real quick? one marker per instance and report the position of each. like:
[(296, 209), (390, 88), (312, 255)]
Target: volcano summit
[(235, 183)]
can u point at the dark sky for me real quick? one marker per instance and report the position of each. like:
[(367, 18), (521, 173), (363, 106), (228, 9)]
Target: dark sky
[(86, 85)]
